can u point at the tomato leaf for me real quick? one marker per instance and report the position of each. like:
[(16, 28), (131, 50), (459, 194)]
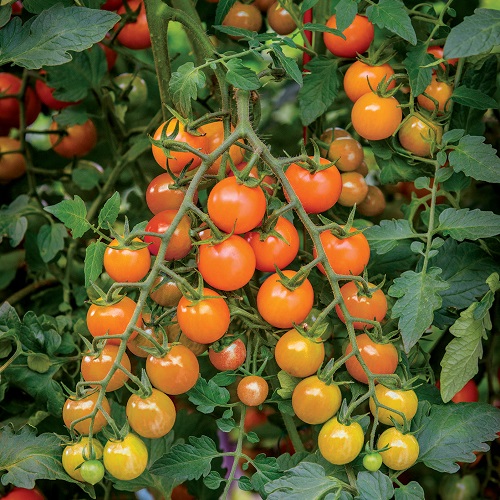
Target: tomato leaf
[(476, 34), (410, 491), (473, 98), (468, 224), (345, 12), (207, 395), (46, 39), (109, 212), (50, 240), (452, 433), (241, 76), (384, 237), (416, 58), (73, 214), (94, 257), (184, 85), (267, 470), (374, 486), (392, 15), (289, 65)]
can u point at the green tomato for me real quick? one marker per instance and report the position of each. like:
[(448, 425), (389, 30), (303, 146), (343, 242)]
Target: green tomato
[(92, 471), (454, 487), (133, 90), (372, 461)]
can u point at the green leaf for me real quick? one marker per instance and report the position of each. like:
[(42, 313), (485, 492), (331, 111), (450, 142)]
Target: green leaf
[(374, 486), (46, 39), (321, 28), (476, 159), (241, 76), (418, 298), (320, 88), (289, 65), (396, 168), (184, 85), (384, 237), (392, 15), (226, 424), (109, 212), (473, 98), (94, 258), (207, 395), (452, 433), (213, 480), (287, 383), (16, 230), (476, 34), (468, 224), (416, 58), (39, 362), (267, 471), (37, 6), (72, 115), (86, 176), (50, 240), (5, 13), (345, 12), (72, 213), (410, 491)]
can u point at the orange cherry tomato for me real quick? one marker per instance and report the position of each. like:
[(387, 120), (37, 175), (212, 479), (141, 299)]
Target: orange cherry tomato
[(12, 165), (252, 390), (440, 91), (79, 141), (361, 76), (126, 265), (215, 137), (74, 409), (358, 37), (135, 35)]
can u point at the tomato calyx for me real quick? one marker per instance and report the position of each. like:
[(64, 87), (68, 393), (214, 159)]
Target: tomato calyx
[(99, 297), (296, 280), (225, 342), (313, 163)]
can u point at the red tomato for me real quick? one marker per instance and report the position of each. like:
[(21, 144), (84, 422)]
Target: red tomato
[(317, 191), (437, 52), (358, 37), (160, 195), (110, 54), (282, 307), (205, 320), (234, 256), (215, 137), (232, 206), (78, 141), (75, 409), (45, 94), (346, 256), (230, 357), (272, 250), (126, 265), (361, 76), (12, 165), (440, 91), (135, 34), (468, 394), (23, 494), (252, 390), (180, 241)]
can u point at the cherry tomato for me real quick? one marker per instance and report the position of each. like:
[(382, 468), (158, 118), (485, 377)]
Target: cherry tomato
[(317, 191), (347, 153), (346, 256), (232, 206), (160, 195), (181, 492), (340, 443), (405, 402), (437, 52), (176, 372), (179, 159), (381, 359), (127, 459), (165, 292), (76, 454), (23, 493), (362, 306), (361, 76), (373, 204), (96, 368), (358, 37), (112, 319), (74, 409), (12, 165), (174, 334), (354, 189), (244, 16), (205, 320), (468, 394), (263, 5), (126, 265), (299, 356), (215, 137), (363, 169), (372, 461), (135, 35), (418, 136), (45, 94), (234, 256), (282, 307), (252, 390), (230, 357), (273, 250), (376, 118), (255, 418), (132, 89), (315, 402), (454, 487), (151, 417), (280, 19), (403, 449), (92, 471), (180, 241), (79, 141), (440, 91)]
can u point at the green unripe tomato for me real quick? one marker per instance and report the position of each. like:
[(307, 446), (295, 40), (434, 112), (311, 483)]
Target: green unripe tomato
[(454, 487), (92, 471), (372, 461), (133, 90)]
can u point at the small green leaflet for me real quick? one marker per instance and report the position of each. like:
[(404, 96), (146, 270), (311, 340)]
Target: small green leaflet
[(392, 15), (184, 85), (465, 224), (222, 9), (410, 491), (476, 34), (207, 395), (109, 212), (374, 486), (345, 12), (241, 76), (94, 257), (50, 240), (473, 98), (5, 14), (267, 471), (416, 58), (73, 214), (289, 64), (384, 237)]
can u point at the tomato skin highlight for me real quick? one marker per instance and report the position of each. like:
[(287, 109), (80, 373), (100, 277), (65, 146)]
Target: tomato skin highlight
[(359, 35), (403, 451), (252, 390), (358, 75), (74, 409), (126, 459), (73, 456), (340, 444), (354, 189), (230, 358), (404, 401), (126, 265)]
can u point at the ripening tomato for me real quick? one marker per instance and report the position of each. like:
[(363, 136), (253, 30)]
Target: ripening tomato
[(215, 137), (74, 455), (232, 206), (373, 204), (46, 96), (252, 390), (280, 19), (74, 409), (361, 306), (243, 16), (372, 461), (126, 459), (467, 487), (420, 136), (299, 356), (376, 118), (340, 443), (92, 471), (381, 359), (440, 91), (275, 250), (363, 169), (112, 319), (361, 76), (468, 394), (317, 191), (347, 153), (205, 320), (346, 256), (231, 357), (126, 265), (132, 90), (437, 52), (403, 449), (282, 307), (135, 34), (78, 141), (176, 372), (354, 189), (314, 401), (358, 37), (174, 334), (179, 159), (165, 292), (160, 195), (12, 165), (151, 417), (179, 244), (405, 402), (97, 367), (234, 256), (23, 493), (156, 332)]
